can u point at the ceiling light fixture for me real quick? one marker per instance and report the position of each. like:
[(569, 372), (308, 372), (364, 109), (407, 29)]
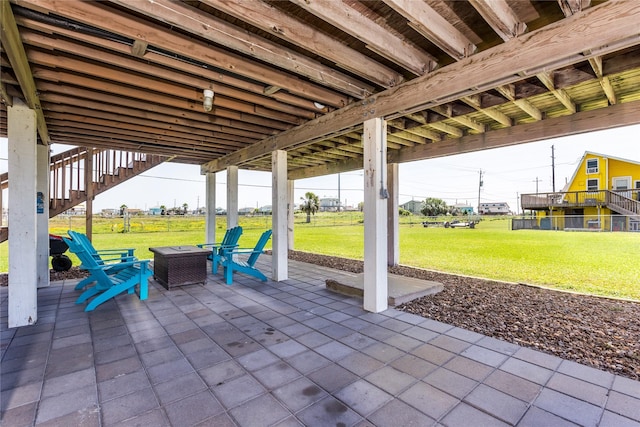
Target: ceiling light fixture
[(207, 103)]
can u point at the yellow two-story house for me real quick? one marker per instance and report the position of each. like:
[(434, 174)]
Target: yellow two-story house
[(603, 194)]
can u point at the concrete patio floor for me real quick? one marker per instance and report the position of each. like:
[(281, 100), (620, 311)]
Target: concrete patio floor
[(283, 354)]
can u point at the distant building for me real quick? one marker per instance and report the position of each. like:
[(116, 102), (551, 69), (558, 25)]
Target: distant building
[(156, 210), (110, 212), (497, 208), (265, 210), (329, 204), (464, 209), (245, 211), (413, 206)]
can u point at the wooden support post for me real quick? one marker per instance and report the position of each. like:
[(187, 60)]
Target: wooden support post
[(279, 216), (375, 215), (88, 188), (210, 220), (290, 213), (393, 217), (232, 196)]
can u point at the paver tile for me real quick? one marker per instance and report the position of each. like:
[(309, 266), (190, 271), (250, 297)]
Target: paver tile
[(328, 411), (568, 407), (466, 415), (193, 409), (332, 377), (536, 417), (497, 403), (428, 400), (451, 382), (363, 397), (397, 413), (624, 405), (579, 389), (299, 394), (610, 419), (390, 380)]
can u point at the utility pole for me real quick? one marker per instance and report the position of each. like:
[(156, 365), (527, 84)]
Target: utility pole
[(553, 169), (479, 188), (537, 180)]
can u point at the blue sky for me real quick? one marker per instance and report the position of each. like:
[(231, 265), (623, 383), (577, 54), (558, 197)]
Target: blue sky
[(507, 172)]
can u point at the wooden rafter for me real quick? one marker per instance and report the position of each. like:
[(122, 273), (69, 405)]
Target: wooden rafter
[(596, 65), (465, 121), (98, 15), (560, 44), (424, 19), (221, 32), (12, 45), (570, 7), (377, 38), (547, 79), (268, 18), (500, 17), (508, 91)]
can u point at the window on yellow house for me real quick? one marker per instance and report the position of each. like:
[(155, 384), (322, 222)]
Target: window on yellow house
[(592, 185)]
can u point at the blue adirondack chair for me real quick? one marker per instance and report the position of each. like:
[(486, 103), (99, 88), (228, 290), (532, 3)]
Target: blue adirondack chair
[(229, 242), (231, 263), (129, 275), (114, 262)]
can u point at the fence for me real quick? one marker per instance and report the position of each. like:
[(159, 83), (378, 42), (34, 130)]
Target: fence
[(578, 223)]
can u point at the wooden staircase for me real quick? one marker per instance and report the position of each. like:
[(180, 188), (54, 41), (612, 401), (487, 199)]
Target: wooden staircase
[(624, 205), (69, 185)]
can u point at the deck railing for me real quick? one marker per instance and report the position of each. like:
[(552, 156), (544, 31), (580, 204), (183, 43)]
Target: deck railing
[(627, 199)]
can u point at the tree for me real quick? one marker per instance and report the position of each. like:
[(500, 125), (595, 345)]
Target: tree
[(310, 204), (123, 209), (361, 206), (163, 210), (185, 207), (434, 207)]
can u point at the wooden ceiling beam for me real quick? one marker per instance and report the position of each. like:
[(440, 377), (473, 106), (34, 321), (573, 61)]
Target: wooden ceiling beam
[(465, 121), (195, 21), (99, 15), (213, 76), (234, 112), (14, 49), (446, 128), (70, 95), (188, 74), (581, 122), (561, 95), (508, 91), (82, 127), (554, 46), (378, 39), (425, 20), (499, 15), (571, 7), (111, 120), (498, 116), (268, 18), (61, 103), (270, 108), (605, 83)]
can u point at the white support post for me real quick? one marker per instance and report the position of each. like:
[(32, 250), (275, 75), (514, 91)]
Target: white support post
[(393, 217), (42, 214), (279, 216), (374, 139), (290, 211), (23, 272), (232, 196), (210, 220)]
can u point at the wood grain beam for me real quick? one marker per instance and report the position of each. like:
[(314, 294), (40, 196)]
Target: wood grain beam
[(13, 47), (561, 95), (268, 18), (425, 20), (197, 22), (605, 83), (508, 91), (571, 7), (99, 15), (465, 121), (378, 39), (556, 45), (222, 81), (500, 17), (581, 122)]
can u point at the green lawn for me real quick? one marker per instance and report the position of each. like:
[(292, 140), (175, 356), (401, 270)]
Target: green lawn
[(598, 263)]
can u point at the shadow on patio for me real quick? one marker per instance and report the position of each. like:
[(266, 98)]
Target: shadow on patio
[(286, 354)]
